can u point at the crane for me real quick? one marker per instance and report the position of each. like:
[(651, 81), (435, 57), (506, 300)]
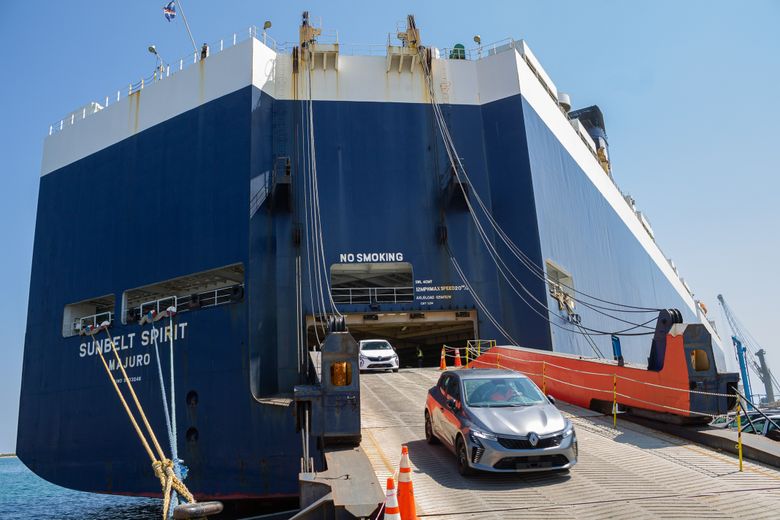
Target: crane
[(745, 344)]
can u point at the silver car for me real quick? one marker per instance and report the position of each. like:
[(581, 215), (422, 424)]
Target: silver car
[(499, 421)]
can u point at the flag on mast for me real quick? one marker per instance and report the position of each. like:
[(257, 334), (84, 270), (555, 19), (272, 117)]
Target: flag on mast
[(170, 11)]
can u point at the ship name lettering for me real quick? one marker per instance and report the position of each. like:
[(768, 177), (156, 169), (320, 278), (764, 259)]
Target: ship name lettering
[(148, 337), (127, 341), (103, 345)]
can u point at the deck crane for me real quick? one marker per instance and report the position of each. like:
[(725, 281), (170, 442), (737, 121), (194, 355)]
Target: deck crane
[(745, 344)]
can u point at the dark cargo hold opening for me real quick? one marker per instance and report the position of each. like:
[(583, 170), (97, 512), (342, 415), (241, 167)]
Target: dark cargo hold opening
[(407, 330)]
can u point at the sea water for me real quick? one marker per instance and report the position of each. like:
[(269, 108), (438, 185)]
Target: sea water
[(24, 495)]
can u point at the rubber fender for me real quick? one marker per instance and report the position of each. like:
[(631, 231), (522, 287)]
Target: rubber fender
[(197, 510)]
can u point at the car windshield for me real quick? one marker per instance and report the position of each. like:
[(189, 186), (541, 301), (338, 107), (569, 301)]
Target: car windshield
[(376, 345), (502, 391)]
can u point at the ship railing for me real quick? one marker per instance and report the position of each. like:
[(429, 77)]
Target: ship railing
[(363, 49), (475, 53), (259, 197), (210, 298), (92, 320), (368, 295), (217, 296), (162, 71), (160, 305)]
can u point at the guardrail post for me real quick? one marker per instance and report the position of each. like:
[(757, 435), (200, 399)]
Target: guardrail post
[(614, 401), (739, 434)]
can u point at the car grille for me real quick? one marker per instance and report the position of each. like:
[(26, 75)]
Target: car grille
[(379, 358), (381, 365), (534, 462), (523, 444)]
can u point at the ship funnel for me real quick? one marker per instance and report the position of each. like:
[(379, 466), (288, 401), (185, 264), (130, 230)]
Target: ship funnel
[(564, 101), (593, 121)]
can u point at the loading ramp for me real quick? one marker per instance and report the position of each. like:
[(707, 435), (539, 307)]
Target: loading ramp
[(628, 472)]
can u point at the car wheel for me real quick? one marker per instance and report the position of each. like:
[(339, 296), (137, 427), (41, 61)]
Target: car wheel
[(461, 453), (430, 437)]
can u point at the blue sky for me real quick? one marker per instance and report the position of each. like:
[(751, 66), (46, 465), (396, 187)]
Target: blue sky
[(688, 89)]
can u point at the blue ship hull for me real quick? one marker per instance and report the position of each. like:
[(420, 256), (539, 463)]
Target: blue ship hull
[(175, 199)]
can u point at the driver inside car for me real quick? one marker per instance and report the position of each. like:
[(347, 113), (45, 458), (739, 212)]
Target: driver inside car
[(502, 393)]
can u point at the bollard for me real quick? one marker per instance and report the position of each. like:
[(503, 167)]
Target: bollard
[(739, 435), (197, 510)]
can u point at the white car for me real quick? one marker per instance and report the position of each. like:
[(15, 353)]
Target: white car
[(377, 354)]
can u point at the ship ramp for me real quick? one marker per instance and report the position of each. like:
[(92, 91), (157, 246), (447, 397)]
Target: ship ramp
[(628, 472)]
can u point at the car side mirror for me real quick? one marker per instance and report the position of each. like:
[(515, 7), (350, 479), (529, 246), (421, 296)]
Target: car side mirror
[(551, 399), (452, 405)]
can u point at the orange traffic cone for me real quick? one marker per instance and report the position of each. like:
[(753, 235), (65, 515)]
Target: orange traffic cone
[(405, 488), (391, 502), (458, 364), (443, 362)]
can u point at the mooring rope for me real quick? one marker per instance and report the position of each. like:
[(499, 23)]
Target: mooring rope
[(162, 466)]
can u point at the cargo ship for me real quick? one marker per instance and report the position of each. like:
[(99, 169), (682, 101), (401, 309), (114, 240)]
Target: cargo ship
[(426, 195)]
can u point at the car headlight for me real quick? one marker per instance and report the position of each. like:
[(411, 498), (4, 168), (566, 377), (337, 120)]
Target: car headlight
[(568, 431), (479, 434)]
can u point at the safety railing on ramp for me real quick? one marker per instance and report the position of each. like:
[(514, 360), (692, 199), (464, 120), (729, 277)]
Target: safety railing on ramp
[(613, 388)]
